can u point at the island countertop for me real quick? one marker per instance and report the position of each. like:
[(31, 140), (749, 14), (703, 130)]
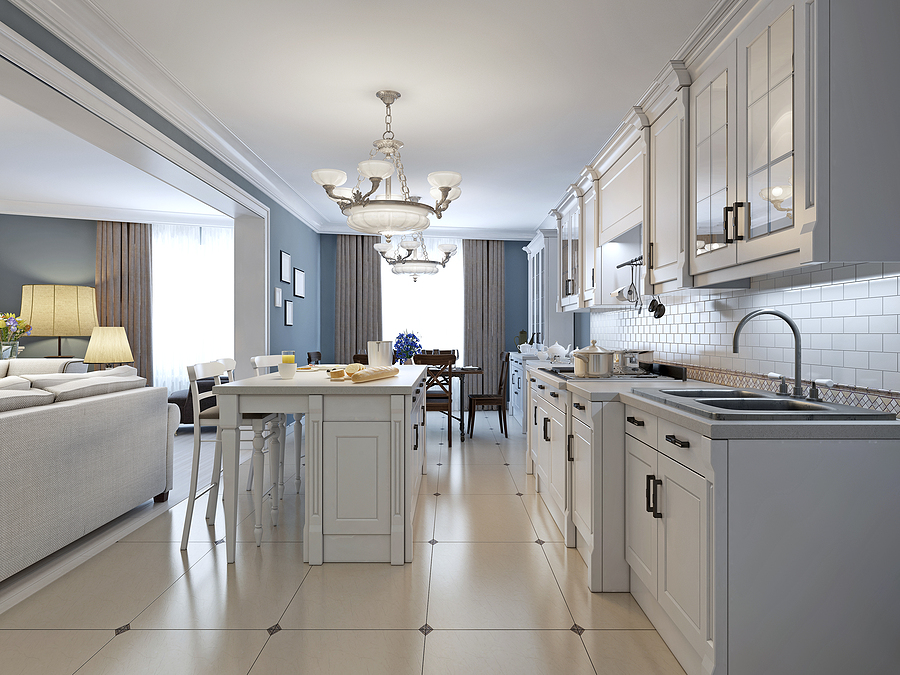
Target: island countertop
[(320, 382)]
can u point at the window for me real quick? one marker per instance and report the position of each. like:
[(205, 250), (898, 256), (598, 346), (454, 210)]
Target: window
[(193, 299), (431, 307)]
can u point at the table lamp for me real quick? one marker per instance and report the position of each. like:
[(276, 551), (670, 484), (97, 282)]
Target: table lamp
[(61, 311), (109, 346)]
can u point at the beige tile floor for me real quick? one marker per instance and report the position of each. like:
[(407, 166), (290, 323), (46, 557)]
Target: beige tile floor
[(485, 598)]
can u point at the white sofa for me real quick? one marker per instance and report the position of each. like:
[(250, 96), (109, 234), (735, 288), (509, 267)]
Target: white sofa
[(77, 450)]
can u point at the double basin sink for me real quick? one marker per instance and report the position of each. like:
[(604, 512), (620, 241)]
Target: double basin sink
[(755, 405)]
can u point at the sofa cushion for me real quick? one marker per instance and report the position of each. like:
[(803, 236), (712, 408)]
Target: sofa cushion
[(4, 365), (55, 379), (36, 366), (16, 399), (12, 382), (95, 386)]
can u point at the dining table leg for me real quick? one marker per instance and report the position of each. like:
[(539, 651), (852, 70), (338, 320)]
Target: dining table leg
[(228, 420)]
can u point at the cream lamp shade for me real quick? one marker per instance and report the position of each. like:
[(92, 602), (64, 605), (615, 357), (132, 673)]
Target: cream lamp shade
[(108, 344), (60, 311)]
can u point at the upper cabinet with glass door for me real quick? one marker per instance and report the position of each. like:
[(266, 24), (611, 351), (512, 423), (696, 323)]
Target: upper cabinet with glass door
[(568, 215), (743, 108)]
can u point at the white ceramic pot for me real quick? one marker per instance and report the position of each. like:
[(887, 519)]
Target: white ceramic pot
[(592, 361), (557, 351)]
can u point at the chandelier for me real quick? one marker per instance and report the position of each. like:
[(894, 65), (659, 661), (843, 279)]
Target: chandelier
[(389, 213), (411, 256)]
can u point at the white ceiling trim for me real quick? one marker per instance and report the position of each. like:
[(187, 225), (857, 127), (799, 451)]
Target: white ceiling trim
[(183, 169), (92, 33), (82, 212)]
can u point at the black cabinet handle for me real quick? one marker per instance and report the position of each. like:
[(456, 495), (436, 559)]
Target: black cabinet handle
[(418, 390), (540, 386), (546, 429), (531, 379), (725, 211), (578, 406), (636, 422), (553, 394), (416, 443), (656, 512), (677, 441), (569, 449), (535, 415), (648, 501), (737, 205)]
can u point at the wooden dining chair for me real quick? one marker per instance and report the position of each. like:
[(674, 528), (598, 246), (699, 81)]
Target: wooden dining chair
[(439, 386), (361, 358), (313, 357), (497, 400), (210, 417)]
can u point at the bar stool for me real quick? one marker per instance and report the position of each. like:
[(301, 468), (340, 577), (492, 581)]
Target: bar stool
[(261, 366)]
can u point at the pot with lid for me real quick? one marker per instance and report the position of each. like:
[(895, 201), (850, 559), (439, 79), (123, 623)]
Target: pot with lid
[(592, 361), (627, 361)]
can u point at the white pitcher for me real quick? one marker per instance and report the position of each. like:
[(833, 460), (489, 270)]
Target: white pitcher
[(381, 352)]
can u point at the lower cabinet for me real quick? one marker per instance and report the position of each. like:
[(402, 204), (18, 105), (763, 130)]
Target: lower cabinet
[(516, 387), (668, 532)]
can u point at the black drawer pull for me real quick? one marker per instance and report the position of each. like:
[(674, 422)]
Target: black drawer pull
[(677, 441), (636, 422), (546, 429), (553, 394), (416, 444), (540, 386), (578, 406), (649, 502), (569, 449), (656, 512), (418, 390), (535, 415), (531, 379)]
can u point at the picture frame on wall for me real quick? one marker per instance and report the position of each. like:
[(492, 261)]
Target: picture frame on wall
[(286, 267), (299, 283), (288, 312), (278, 296)]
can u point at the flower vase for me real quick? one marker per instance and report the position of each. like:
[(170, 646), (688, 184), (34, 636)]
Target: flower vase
[(9, 350), (407, 362)]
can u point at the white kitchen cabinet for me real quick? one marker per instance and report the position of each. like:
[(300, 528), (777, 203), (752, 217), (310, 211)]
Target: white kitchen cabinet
[(668, 528), (516, 388), (622, 193), (570, 252), (558, 478), (590, 222), (546, 321), (668, 213)]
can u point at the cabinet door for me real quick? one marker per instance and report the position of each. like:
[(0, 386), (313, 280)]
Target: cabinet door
[(667, 202), (589, 220), (683, 545), (714, 162), (542, 467), (640, 525), (582, 478), (356, 471), (765, 103), (559, 458), (622, 194), (569, 254)]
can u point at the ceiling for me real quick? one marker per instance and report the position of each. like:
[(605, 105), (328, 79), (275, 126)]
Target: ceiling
[(517, 95)]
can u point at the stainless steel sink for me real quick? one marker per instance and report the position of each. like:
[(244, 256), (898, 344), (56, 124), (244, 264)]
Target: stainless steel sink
[(713, 393), (752, 405), (767, 404)]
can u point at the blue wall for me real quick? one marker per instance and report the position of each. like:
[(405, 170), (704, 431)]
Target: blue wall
[(45, 251), (515, 319), (328, 263)]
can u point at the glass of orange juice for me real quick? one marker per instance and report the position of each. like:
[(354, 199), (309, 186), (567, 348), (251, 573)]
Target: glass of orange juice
[(287, 356)]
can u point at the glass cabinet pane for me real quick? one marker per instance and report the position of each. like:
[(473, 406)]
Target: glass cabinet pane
[(712, 164), (781, 195), (703, 170), (781, 114), (781, 41), (718, 152), (718, 103), (758, 69), (758, 134)]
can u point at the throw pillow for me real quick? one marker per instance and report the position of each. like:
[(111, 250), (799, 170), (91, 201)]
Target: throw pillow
[(45, 381), (14, 383), (14, 400), (95, 386)]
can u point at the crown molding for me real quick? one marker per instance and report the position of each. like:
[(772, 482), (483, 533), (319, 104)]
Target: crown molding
[(88, 30), (82, 212)]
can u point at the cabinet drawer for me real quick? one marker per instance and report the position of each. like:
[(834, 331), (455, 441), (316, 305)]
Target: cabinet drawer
[(679, 443), (641, 425), (581, 410)]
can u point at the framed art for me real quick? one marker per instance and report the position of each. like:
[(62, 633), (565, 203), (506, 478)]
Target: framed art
[(278, 296), (299, 283), (286, 267), (288, 312)]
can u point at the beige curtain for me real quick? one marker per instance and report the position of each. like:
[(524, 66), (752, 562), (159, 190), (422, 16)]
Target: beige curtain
[(483, 272), (123, 286), (357, 303)]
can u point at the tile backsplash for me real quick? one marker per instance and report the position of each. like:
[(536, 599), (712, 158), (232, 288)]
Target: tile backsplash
[(847, 314)]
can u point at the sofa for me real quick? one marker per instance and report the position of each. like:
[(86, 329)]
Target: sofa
[(77, 450)]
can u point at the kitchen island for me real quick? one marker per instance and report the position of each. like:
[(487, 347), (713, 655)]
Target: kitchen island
[(365, 456)]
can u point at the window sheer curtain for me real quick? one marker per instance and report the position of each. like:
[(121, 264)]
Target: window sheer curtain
[(193, 299), (484, 309), (357, 302), (122, 279)]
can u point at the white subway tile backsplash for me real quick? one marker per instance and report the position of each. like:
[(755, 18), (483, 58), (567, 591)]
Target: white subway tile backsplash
[(847, 314)]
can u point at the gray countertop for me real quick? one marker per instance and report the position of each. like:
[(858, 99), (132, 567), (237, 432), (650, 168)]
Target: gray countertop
[(307, 382)]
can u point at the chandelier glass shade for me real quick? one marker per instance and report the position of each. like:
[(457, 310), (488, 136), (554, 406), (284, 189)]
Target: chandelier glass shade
[(411, 256), (390, 213)]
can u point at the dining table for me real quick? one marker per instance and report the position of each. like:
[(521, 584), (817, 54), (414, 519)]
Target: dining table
[(365, 457), (461, 373)]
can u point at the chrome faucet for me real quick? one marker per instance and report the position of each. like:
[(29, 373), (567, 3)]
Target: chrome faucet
[(798, 386)]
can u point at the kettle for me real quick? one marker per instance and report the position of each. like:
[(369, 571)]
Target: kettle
[(592, 361), (557, 351)]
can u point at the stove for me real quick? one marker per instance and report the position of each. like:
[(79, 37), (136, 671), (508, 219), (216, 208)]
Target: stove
[(649, 371)]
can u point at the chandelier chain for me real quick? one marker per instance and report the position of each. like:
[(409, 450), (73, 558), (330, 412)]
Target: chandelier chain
[(401, 174), (388, 134)]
